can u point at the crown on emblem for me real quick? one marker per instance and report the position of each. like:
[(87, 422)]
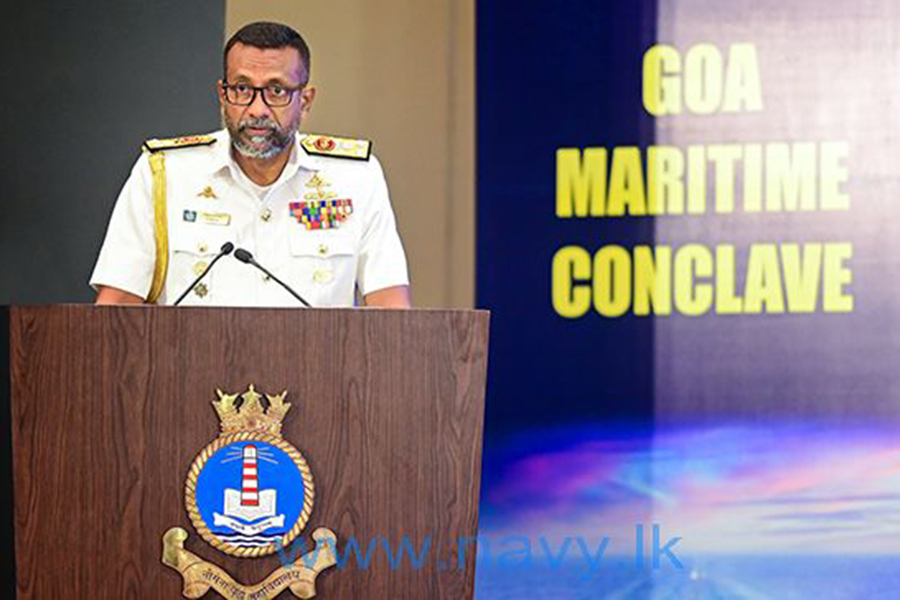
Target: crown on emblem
[(250, 415)]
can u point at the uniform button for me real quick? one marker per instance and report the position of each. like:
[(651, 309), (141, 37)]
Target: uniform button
[(199, 267), (323, 249), (201, 290), (265, 215), (266, 278), (323, 276), (202, 247)]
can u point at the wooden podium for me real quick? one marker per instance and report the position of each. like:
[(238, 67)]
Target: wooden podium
[(109, 406)]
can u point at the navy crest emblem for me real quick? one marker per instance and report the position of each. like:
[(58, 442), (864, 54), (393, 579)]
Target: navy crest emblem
[(249, 493)]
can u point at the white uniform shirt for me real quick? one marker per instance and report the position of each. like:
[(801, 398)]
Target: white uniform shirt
[(323, 265)]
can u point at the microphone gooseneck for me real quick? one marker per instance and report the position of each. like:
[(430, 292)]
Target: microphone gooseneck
[(227, 247), (245, 257)]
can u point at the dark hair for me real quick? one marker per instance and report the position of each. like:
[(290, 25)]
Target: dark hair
[(264, 34)]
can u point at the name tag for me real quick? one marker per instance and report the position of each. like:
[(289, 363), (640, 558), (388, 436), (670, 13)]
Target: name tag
[(215, 218), (207, 218)]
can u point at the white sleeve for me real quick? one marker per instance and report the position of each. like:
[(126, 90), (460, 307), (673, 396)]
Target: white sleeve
[(128, 256), (382, 261)]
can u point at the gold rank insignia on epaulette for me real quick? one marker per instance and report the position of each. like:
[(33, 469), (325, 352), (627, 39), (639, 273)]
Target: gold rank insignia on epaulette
[(187, 141), (326, 145)]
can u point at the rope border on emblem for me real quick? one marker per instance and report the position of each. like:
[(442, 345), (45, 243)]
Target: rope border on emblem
[(190, 492)]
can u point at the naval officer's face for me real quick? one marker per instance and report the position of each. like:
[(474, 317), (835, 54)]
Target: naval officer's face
[(262, 122)]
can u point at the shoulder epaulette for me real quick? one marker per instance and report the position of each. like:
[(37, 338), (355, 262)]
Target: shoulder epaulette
[(187, 141), (327, 145)]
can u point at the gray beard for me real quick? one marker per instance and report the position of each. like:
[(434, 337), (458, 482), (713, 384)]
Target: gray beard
[(268, 146), (256, 148)]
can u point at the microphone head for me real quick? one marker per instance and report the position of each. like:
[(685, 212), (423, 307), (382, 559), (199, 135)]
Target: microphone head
[(227, 247), (243, 256)]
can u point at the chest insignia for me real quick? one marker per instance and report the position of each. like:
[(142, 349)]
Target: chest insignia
[(318, 192), (322, 214), (207, 193)]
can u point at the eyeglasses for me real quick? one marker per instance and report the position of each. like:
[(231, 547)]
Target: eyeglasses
[(275, 95)]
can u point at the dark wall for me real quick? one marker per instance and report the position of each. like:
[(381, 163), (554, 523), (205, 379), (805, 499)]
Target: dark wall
[(84, 83)]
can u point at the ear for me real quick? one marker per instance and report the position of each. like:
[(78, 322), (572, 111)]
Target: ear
[(220, 92), (307, 95)]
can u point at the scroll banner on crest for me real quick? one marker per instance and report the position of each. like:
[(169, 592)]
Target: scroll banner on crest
[(248, 529), (688, 234)]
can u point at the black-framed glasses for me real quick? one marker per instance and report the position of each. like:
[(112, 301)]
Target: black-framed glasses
[(274, 95)]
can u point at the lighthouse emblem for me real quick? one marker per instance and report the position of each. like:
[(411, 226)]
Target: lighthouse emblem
[(249, 492), (249, 511)]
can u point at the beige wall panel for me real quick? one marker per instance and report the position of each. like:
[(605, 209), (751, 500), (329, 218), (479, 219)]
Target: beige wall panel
[(400, 73)]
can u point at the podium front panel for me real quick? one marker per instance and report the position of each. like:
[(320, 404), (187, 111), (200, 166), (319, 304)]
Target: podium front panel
[(110, 406)]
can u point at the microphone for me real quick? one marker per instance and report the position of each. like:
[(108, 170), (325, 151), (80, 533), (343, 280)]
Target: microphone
[(227, 247), (245, 257)]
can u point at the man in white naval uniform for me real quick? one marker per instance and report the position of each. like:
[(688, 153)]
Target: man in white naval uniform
[(314, 210)]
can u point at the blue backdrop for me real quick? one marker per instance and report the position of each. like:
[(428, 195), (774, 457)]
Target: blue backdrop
[(755, 438)]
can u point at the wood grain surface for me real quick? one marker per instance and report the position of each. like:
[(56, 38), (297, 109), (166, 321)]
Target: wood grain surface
[(7, 537), (110, 405)]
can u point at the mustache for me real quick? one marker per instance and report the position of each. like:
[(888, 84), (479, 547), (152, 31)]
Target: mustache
[(258, 123)]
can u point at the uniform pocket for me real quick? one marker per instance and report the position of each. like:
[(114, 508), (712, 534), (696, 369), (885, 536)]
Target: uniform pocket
[(193, 247), (200, 240), (321, 246), (324, 258)]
